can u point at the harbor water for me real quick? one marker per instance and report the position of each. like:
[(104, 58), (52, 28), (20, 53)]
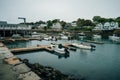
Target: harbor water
[(100, 64)]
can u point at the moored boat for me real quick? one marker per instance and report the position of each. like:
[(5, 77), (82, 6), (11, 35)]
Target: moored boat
[(114, 38), (59, 49), (83, 46), (96, 36)]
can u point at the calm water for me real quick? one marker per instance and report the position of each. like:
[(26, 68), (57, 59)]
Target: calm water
[(101, 64)]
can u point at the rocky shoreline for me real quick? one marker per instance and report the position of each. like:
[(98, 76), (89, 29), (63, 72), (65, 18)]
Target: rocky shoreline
[(48, 73)]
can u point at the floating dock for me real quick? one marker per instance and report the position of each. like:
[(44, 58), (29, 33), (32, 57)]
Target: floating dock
[(95, 42)]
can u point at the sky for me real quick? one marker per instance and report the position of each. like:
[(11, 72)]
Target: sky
[(67, 10)]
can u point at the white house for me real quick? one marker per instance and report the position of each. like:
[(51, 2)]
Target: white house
[(73, 24), (42, 26), (57, 26), (106, 26)]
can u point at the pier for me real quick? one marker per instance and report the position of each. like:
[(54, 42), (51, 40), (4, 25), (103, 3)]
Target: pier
[(37, 48), (95, 42)]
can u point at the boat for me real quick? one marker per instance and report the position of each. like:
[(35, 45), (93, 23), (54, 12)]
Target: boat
[(83, 46), (64, 37), (81, 35), (114, 38), (16, 36), (96, 36), (35, 34), (58, 48)]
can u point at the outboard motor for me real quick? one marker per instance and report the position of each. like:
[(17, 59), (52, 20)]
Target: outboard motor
[(66, 50), (92, 46)]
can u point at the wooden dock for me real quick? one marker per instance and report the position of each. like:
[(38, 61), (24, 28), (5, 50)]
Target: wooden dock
[(95, 42), (29, 49), (36, 48)]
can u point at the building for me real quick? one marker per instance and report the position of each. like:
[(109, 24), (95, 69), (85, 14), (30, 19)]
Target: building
[(7, 30), (56, 26), (107, 26), (41, 26), (73, 24)]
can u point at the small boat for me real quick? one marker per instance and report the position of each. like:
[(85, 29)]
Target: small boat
[(114, 38), (59, 49), (35, 34), (16, 36), (64, 37), (81, 35), (83, 46), (96, 36)]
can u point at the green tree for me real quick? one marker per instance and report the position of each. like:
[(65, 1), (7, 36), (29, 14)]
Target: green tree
[(110, 20), (80, 22), (45, 28), (40, 22), (88, 23), (49, 23), (118, 20), (96, 18), (55, 20), (63, 24)]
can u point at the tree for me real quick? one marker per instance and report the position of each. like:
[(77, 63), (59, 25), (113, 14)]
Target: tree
[(96, 18), (88, 23), (55, 21), (45, 28), (80, 23), (40, 22), (49, 23), (118, 20), (110, 20), (63, 24)]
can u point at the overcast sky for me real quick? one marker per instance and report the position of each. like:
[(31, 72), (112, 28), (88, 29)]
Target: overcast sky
[(67, 10)]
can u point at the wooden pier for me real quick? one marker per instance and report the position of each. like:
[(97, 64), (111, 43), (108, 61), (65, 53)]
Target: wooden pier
[(29, 49), (95, 42), (36, 48)]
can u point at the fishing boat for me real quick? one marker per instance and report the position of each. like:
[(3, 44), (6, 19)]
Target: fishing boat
[(83, 46)]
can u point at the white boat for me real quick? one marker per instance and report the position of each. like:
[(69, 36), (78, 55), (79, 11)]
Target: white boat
[(47, 38), (64, 37), (81, 35), (114, 38), (96, 36), (59, 49), (16, 36), (83, 46), (35, 34)]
